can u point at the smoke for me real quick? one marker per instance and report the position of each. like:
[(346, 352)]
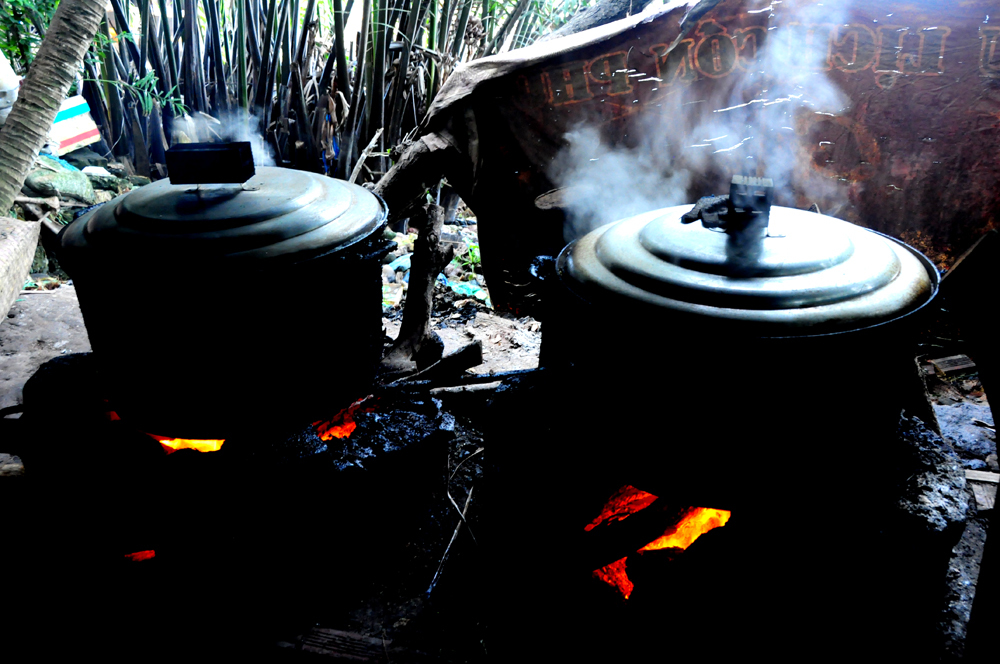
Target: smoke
[(604, 183), (239, 126), (755, 122), (234, 126)]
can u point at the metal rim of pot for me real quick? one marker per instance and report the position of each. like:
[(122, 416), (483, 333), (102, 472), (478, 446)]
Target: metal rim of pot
[(814, 275), (277, 216)]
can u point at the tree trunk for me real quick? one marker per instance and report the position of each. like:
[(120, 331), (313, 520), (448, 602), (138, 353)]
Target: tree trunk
[(43, 90)]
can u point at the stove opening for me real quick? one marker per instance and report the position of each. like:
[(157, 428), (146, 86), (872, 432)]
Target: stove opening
[(693, 522)]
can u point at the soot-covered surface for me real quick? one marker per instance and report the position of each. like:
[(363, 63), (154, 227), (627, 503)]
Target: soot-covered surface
[(251, 544)]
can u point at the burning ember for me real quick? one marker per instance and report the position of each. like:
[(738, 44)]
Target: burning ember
[(171, 445), (628, 500), (342, 424), (139, 556)]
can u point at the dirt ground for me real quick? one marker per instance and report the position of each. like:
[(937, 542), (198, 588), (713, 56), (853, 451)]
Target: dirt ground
[(508, 344), (40, 325)]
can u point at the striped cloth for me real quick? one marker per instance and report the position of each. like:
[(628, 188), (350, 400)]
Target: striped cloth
[(74, 128)]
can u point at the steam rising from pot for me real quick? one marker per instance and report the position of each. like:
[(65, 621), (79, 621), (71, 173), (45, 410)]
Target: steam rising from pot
[(230, 127), (694, 135)]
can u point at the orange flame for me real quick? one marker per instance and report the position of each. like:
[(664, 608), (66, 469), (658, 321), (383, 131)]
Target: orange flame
[(171, 445), (342, 424), (695, 522)]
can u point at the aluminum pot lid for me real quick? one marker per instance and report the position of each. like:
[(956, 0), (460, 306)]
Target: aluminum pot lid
[(278, 213), (811, 274)]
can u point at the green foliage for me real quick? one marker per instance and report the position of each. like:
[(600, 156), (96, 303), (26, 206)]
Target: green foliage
[(145, 92), (22, 23), (469, 259)]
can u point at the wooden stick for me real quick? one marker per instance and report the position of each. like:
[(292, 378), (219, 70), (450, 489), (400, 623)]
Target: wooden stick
[(982, 476), (454, 535), (364, 155)]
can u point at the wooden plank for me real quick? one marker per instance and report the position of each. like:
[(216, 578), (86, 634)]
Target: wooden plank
[(338, 644), (953, 365), (986, 495), (18, 240), (982, 476)]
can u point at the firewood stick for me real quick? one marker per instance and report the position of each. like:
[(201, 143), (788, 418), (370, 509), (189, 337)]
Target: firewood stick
[(364, 155), (51, 202), (455, 362), (416, 346), (454, 535)]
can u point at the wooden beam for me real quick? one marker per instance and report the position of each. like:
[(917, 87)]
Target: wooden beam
[(18, 240)]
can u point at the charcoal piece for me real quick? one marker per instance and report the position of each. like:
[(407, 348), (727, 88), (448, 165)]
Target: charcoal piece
[(969, 440), (934, 496)]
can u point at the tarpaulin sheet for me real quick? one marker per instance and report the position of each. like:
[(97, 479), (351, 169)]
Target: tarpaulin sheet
[(883, 113)]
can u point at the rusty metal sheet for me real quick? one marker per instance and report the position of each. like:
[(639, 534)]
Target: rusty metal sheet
[(884, 113)]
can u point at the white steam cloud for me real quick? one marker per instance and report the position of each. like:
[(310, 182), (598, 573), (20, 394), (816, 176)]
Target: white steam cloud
[(233, 126), (754, 122), (604, 183)]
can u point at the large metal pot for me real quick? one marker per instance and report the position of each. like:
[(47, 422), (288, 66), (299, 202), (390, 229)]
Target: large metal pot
[(761, 372), (221, 308), (721, 367)]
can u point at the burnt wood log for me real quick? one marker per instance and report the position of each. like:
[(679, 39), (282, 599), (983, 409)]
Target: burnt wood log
[(417, 347), (420, 168), (451, 364)]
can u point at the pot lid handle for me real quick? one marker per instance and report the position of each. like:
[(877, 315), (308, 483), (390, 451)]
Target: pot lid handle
[(743, 215), (210, 163)]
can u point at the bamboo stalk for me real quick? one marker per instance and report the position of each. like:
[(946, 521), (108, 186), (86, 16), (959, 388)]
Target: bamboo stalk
[(302, 124), (194, 81), (98, 108), (399, 83), (338, 23), (221, 91), (265, 95), (310, 8), (377, 113), (169, 45), (524, 39), (497, 41), (355, 124), (109, 74), (286, 45), (144, 40), (254, 26), (463, 22), (129, 46), (326, 78), (400, 18), (241, 53), (293, 34), (432, 30), (265, 68), (162, 75)]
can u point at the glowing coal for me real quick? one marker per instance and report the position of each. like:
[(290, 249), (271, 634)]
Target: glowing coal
[(342, 424), (693, 523)]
